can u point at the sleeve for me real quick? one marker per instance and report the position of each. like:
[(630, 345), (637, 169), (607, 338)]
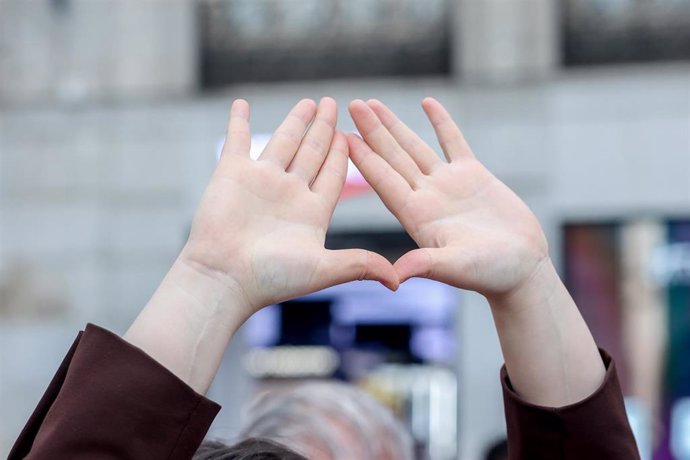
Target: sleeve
[(110, 400), (596, 427)]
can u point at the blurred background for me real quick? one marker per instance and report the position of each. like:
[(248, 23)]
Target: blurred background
[(112, 113)]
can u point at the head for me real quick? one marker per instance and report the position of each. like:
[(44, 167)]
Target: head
[(497, 451), (328, 421), (249, 449)]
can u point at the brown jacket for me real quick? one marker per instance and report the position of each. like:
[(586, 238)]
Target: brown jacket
[(110, 400)]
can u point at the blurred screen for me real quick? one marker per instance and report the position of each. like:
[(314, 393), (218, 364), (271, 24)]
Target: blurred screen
[(631, 280)]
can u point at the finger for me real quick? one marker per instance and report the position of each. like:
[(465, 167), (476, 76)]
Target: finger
[(346, 265), (314, 147), (287, 138), (387, 183), (423, 263), (382, 142), (421, 153), (238, 137), (449, 135), (331, 177)]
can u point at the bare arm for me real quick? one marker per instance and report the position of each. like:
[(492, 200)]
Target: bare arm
[(475, 233), (257, 238)]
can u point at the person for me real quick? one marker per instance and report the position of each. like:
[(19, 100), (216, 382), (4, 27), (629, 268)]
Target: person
[(258, 239), (332, 420), (249, 449), (498, 450)]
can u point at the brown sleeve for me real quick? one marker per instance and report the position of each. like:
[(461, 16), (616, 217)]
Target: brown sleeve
[(110, 400), (594, 428)]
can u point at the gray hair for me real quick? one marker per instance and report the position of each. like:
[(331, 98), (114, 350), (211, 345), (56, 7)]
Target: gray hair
[(328, 420)]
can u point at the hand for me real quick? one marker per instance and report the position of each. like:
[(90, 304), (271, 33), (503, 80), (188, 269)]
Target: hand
[(473, 231), (261, 225)]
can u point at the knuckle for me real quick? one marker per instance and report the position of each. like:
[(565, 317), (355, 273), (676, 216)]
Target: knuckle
[(288, 136), (364, 263), (338, 174), (316, 145), (238, 133), (328, 121), (428, 263), (442, 121), (301, 117), (372, 131)]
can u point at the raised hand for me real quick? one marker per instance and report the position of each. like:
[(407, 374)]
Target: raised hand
[(472, 230), (257, 238), (261, 224), (475, 233)]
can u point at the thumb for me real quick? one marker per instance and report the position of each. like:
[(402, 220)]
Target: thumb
[(420, 263), (343, 265)]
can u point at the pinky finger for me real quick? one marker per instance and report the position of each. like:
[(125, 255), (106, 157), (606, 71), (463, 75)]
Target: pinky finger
[(238, 138)]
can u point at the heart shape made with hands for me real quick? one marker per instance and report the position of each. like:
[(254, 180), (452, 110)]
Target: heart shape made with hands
[(261, 225)]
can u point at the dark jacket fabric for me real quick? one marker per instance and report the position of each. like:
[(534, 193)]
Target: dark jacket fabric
[(594, 428), (110, 400)]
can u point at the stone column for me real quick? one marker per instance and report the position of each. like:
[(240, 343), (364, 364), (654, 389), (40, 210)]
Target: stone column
[(505, 41), (84, 50)]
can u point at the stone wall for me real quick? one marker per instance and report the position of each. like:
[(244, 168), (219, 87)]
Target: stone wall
[(96, 202), (78, 51)]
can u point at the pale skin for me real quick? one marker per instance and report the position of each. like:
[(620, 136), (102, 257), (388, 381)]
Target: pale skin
[(475, 233), (258, 238)]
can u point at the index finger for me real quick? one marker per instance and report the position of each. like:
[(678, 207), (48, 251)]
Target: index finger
[(421, 153), (449, 135), (388, 184), (383, 143)]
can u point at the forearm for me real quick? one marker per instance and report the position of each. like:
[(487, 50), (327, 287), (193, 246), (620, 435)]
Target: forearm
[(549, 352), (188, 323)]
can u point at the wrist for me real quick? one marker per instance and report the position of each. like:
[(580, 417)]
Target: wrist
[(188, 322), (210, 293), (539, 288), (549, 352)]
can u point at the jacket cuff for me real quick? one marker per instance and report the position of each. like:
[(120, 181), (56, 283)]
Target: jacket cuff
[(110, 399), (595, 427)]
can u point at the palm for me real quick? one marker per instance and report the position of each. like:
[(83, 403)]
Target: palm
[(474, 232), (262, 224), (277, 231)]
